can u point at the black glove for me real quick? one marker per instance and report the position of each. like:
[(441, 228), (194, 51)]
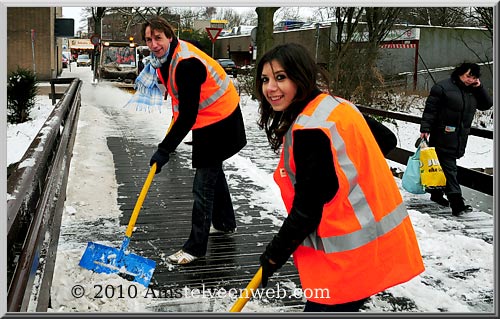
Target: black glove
[(160, 157), (268, 268)]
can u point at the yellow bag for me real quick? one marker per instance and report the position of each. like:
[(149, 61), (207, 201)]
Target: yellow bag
[(431, 172)]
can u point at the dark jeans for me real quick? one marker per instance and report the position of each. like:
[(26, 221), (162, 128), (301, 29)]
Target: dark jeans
[(212, 204), (353, 306), (450, 170)]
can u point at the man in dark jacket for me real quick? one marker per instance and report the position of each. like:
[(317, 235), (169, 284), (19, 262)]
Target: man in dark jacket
[(205, 101), (446, 122)]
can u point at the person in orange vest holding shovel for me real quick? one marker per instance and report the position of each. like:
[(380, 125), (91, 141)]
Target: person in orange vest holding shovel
[(204, 101), (347, 225)]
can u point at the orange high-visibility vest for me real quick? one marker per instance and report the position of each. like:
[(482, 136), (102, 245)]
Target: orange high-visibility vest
[(365, 242), (218, 98)]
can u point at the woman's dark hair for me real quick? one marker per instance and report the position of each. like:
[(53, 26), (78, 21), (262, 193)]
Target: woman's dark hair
[(159, 24), (475, 70), (301, 68)]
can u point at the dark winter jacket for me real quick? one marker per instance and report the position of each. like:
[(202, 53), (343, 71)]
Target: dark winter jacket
[(448, 114), (214, 143)]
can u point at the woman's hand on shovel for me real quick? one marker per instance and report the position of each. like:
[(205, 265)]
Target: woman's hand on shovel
[(268, 268)]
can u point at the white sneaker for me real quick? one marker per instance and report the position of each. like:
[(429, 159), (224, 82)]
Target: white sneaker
[(182, 258), (214, 231)]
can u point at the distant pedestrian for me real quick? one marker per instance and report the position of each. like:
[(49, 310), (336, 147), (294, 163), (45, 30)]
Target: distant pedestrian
[(347, 225), (140, 64), (446, 122), (146, 56)]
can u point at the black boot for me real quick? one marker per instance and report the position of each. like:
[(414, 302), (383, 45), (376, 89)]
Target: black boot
[(437, 197), (457, 205)]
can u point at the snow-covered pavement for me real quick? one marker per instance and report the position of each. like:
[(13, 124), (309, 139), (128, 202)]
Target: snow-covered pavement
[(459, 275)]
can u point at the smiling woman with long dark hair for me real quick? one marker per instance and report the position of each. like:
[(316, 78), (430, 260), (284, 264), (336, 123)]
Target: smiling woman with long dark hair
[(347, 225)]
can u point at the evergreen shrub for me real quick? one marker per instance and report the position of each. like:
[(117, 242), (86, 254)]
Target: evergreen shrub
[(22, 89)]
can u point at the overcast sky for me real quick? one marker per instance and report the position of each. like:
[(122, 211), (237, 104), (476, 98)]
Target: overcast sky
[(76, 12)]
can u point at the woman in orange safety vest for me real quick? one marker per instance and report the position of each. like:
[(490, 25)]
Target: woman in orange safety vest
[(347, 225)]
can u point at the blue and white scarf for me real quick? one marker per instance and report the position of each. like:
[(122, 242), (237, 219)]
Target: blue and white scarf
[(147, 91)]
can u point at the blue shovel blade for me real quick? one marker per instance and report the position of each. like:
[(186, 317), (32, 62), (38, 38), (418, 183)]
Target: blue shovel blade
[(104, 259)]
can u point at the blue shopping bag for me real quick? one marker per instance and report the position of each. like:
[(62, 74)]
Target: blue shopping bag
[(411, 177)]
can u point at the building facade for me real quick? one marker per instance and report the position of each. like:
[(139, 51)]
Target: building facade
[(31, 41)]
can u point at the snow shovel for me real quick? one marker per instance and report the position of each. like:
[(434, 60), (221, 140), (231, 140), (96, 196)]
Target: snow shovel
[(247, 293), (104, 259)]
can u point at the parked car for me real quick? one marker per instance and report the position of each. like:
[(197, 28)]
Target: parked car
[(229, 66), (285, 25), (225, 33), (64, 61), (242, 30), (311, 25), (83, 60)]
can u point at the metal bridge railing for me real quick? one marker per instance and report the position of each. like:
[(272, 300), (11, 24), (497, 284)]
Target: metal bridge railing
[(38, 190), (476, 180)]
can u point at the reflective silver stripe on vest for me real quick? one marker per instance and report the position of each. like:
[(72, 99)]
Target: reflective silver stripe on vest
[(335, 244), (184, 52), (370, 229)]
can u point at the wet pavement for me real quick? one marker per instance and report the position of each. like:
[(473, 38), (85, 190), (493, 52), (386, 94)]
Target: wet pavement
[(164, 224), (232, 260)]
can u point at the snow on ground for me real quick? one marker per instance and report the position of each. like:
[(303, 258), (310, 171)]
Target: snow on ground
[(20, 136), (93, 205)]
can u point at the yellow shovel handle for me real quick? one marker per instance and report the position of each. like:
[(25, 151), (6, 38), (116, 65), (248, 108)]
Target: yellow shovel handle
[(170, 125), (143, 193), (247, 293), (140, 200)]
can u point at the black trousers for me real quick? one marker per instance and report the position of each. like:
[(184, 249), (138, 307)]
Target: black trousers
[(212, 204), (450, 170), (352, 306)]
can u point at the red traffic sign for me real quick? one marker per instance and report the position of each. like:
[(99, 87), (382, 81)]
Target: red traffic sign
[(94, 39), (213, 33)]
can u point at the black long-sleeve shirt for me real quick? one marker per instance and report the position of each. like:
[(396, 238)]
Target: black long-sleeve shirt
[(214, 143), (316, 184)]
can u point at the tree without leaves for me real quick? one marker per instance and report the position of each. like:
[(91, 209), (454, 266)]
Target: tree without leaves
[(264, 39), (325, 13), (379, 22), (347, 21), (265, 25), (97, 15), (484, 18), (481, 17), (435, 16), (210, 12), (353, 59), (288, 13), (233, 18), (249, 17)]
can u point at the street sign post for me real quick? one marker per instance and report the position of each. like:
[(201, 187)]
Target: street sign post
[(213, 33), (95, 39), (33, 36)]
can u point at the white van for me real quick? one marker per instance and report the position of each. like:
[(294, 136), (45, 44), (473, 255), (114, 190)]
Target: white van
[(242, 30)]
